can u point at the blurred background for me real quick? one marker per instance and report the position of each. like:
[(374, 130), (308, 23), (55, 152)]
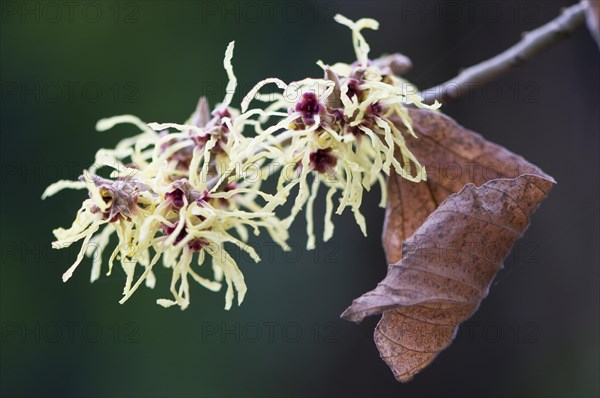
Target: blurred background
[(64, 65)]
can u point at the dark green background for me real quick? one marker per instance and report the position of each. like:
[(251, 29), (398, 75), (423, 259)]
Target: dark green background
[(535, 335)]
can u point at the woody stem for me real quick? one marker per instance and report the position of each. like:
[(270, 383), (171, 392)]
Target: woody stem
[(530, 45)]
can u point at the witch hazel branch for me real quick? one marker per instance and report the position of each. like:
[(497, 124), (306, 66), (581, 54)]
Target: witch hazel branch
[(172, 193)]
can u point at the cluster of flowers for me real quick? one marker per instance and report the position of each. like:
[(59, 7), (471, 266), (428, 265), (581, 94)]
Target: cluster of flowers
[(174, 190)]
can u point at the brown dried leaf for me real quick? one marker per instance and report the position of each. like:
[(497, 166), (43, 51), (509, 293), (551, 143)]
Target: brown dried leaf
[(453, 157), (455, 252)]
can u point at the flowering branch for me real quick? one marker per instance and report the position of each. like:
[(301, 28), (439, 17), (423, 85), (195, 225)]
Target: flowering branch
[(180, 192), (532, 44)]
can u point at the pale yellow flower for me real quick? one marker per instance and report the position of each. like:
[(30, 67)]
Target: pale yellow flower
[(179, 192)]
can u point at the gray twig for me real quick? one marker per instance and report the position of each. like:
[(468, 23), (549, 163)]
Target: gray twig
[(531, 44)]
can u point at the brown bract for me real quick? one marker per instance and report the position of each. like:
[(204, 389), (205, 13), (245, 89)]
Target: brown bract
[(446, 239)]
